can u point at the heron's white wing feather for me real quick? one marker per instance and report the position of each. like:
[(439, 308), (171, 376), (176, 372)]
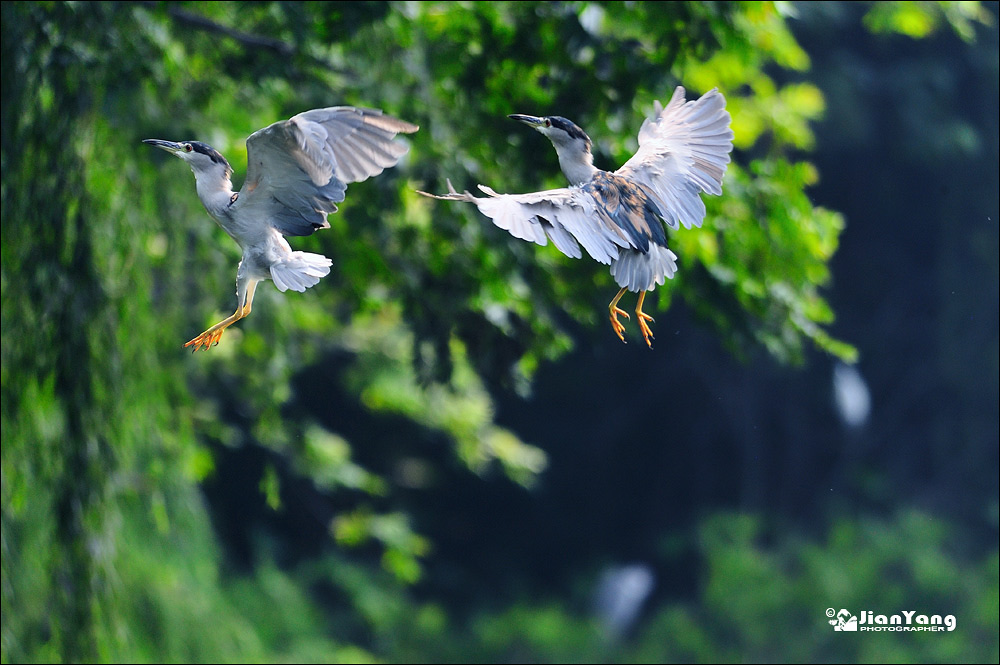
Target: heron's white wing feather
[(299, 169), (350, 143), (567, 216), (683, 151)]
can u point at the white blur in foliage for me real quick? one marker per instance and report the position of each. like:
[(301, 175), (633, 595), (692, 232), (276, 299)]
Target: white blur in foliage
[(851, 395), (620, 594)]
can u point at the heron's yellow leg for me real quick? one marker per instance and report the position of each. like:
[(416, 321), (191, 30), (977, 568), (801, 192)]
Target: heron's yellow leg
[(211, 337), (642, 317), (613, 310)]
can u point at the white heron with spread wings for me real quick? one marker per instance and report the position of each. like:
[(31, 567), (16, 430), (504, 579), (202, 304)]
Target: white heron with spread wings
[(297, 172), (618, 217)]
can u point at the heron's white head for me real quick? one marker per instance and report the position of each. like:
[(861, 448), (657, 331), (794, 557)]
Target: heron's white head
[(203, 159), (212, 173), (571, 143)]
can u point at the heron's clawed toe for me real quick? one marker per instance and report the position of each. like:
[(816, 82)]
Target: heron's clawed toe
[(647, 334), (642, 317), (617, 325), (206, 340)]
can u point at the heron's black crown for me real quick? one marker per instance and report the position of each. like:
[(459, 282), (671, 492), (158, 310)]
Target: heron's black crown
[(211, 152), (569, 127)]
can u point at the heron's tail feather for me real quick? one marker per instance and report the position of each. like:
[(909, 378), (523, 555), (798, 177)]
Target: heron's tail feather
[(300, 270), (642, 271)]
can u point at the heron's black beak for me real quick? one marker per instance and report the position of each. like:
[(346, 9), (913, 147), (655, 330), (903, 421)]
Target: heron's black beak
[(530, 120), (169, 146)]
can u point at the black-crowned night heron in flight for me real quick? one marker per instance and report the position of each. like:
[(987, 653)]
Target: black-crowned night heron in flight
[(683, 151), (297, 172)]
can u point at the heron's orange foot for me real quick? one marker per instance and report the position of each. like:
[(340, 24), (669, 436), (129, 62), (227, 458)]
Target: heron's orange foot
[(647, 334), (206, 340), (617, 325)]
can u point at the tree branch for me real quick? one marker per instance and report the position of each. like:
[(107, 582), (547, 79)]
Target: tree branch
[(245, 38)]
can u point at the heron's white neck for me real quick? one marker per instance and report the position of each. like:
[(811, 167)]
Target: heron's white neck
[(576, 162), (215, 189)]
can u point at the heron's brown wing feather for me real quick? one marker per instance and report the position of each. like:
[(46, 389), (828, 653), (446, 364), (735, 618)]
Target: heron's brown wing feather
[(627, 207)]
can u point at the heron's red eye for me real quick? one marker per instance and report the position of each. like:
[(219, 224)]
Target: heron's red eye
[(188, 148), (548, 123)]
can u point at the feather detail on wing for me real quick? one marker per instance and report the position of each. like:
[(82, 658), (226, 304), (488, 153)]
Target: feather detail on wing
[(683, 151), (299, 169), (350, 143), (570, 217)]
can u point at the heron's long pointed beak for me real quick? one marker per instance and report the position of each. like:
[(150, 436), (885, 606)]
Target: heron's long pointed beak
[(529, 120), (169, 146)]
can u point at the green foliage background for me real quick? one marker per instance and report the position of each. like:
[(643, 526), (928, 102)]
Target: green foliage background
[(112, 437)]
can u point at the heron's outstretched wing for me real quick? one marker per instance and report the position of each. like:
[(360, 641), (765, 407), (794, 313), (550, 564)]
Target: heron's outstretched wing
[(299, 169), (683, 151), (570, 217)]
